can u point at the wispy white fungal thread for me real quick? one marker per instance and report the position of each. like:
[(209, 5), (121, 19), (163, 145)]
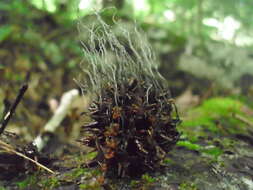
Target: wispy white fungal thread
[(115, 56)]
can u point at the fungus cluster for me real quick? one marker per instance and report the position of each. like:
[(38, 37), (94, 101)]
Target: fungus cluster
[(134, 120)]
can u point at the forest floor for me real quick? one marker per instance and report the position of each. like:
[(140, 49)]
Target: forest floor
[(214, 152)]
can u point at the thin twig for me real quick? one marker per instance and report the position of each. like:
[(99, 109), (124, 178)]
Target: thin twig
[(9, 114), (243, 119), (10, 149)]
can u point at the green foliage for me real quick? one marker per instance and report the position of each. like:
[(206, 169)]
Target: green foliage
[(83, 173), (134, 183), (90, 186), (216, 115), (50, 183), (83, 158), (5, 32), (20, 7), (213, 117), (91, 155), (213, 151), (29, 181), (148, 179), (33, 181), (90, 176), (189, 145), (79, 172), (187, 186), (145, 182), (168, 161)]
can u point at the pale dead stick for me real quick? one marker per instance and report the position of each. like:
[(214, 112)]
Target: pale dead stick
[(51, 126), (10, 149)]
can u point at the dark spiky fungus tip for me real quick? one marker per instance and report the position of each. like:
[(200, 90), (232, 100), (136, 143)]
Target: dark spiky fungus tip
[(133, 132)]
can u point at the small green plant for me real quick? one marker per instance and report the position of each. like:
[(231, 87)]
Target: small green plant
[(85, 172), (28, 181), (145, 182), (135, 183), (94, 186), (211, 150), (78, 172), (148, 179), (189, 145), (50, 183), (187, 186), (168, 161)]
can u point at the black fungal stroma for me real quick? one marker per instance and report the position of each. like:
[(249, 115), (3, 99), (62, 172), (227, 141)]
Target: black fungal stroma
[(133, 127), (132, 135)]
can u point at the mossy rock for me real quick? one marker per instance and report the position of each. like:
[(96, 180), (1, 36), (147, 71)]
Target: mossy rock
[(215, 116)]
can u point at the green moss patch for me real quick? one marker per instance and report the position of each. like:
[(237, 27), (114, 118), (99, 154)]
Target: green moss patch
[(215, 116)]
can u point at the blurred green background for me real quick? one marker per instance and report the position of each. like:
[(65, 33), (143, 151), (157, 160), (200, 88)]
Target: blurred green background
[(204, 48)]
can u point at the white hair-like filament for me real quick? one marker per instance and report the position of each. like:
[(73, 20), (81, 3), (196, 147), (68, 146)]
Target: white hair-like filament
[(112, 59)]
